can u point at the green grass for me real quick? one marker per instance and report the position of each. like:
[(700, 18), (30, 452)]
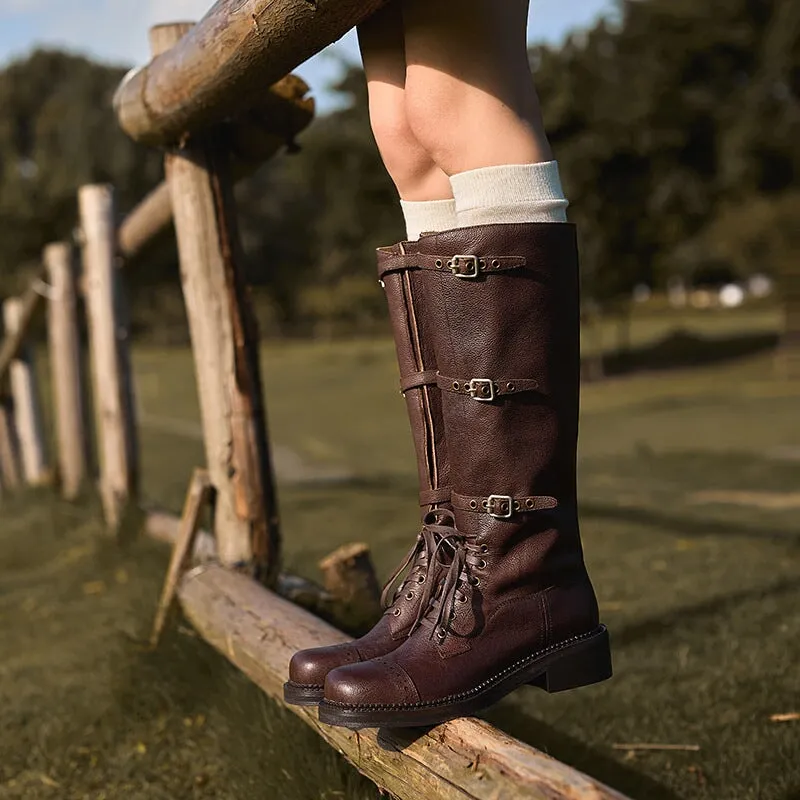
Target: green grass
[(702, 599)]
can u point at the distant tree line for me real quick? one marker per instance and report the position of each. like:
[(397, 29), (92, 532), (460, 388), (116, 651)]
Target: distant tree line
[(677, 127)]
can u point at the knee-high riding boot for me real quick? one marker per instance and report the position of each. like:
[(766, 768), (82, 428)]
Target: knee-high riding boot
[(409, 314), (516, 605)]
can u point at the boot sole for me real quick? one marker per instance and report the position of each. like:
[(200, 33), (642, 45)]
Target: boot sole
[(578, 662), (300, 694)]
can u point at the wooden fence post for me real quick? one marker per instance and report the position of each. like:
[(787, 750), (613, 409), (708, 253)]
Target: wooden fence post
[(113, 401), (65, 369), (225, 344), (9, 450), (27, 411)]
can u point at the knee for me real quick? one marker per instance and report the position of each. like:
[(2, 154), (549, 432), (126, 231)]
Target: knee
[(406, 160)]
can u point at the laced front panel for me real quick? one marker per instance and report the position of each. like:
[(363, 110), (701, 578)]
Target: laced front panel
[(465, 556), (439, 546), (424, 554)]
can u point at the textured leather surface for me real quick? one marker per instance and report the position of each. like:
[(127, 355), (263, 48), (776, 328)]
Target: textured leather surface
[(408, 311), (522, 585)]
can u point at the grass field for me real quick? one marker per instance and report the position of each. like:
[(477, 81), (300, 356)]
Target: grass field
[(689, 482)]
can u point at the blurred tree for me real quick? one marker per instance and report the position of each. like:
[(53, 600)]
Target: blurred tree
[(57, 132)]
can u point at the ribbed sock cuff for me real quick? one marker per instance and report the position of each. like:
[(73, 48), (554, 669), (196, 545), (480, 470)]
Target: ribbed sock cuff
[(509, 193), (428, 216)]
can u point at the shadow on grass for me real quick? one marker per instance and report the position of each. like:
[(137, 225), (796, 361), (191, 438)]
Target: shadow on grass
[(684, 349), (721, 606), (676, 524)]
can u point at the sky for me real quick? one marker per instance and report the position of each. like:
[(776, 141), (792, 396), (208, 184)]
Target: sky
[(116, 30)]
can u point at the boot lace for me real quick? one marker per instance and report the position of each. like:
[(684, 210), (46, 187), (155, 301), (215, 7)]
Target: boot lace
[(437, 525), (466, 556)]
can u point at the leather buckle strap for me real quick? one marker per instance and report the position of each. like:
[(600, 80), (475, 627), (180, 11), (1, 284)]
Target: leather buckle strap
[(416, 380), (486, 390), (465, 266), (502, 506), (435, 497)]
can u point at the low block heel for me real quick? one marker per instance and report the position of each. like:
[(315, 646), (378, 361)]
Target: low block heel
[(578, 666)]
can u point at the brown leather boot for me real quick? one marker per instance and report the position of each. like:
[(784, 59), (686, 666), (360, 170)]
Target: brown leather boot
[(516, 605), (409, 312)]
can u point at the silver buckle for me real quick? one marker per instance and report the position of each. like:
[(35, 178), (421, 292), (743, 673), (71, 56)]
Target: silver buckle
[(476, 385), (494, 499), (471, 261)]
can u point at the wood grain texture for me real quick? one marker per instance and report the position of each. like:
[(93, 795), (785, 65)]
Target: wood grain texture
[(66, 369), (221, 66), (27, 405), (225, 345), (258, 631), (109, 346)]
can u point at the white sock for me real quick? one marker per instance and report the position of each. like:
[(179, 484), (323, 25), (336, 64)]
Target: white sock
[(428, 216), (513, 193)]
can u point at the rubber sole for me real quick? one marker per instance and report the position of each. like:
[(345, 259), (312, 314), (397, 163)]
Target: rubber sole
[(578, 662), (299, 694)]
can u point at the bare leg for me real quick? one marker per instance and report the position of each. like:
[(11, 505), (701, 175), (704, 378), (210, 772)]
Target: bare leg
[(470, 98), (414, 172)]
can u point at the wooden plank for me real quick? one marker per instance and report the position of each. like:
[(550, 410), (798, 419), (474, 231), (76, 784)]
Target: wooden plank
[(66, 369), (27, 408), (225, 344), (114, 407), (10, 471), (258, 631), (221, 66), (183, 550), (12, 343)]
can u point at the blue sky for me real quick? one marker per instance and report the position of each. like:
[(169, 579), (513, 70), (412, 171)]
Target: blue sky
[(116, 30)]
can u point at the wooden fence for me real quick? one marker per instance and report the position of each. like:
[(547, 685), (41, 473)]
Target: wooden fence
[(202, 97)]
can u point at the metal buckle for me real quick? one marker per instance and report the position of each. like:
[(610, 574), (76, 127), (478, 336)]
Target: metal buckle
[(476, 385), (492, 502), (471, 261)]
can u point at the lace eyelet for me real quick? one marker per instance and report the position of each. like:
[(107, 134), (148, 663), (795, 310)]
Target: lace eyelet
[(396, 612), (421, 579), (441, 635), (482, 564), (410, 596), (474, 581), (484, 548)]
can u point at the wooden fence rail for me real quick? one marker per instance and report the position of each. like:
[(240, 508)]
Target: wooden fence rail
[(220, 67)]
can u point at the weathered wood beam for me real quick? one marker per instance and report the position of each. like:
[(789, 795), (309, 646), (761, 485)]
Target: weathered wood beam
[(13, 341), (183, 550), (9, 450), (252, 140), (465, 759), (225, 344), (221, 66), (66, 369), (27, 406), (108, 339)]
